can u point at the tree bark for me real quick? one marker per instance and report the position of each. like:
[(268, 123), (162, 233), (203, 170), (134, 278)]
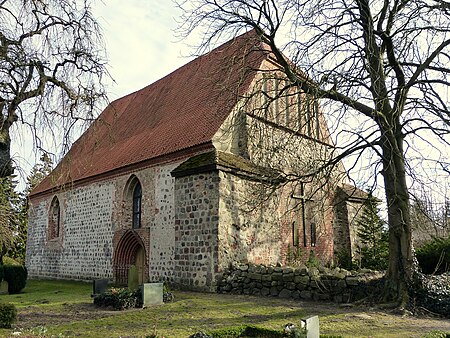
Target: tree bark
[(6, 168), (401, 267)]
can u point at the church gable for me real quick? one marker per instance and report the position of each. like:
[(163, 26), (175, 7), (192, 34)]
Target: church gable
[(278, 128)]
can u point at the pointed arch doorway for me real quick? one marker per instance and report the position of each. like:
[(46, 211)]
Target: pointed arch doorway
[(130, 251)]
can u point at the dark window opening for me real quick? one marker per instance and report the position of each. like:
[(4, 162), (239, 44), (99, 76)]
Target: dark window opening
[(137, 202), (313, 234), (294, 233), (54, 219)]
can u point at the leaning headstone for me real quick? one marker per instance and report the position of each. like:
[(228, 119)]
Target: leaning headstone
[(152, 294), (312, 326), (99, 286), (133, 280)]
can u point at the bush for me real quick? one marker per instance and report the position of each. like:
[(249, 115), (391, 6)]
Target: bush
[(255, 331), (431, 292), (1, 273), (16, 276), (119, 299), (437, 334), (434, 256), (246, 331), (10, 261), (313, 261), (294, 256), (344, 260), (167, 294), (8, 315)]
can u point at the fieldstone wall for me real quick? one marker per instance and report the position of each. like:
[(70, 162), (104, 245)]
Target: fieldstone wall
[(83, 249), (196, 230), (336, 285), (94, 218)]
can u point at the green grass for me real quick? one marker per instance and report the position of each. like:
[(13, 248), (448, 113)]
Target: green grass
[(47, 293), (55, 308)]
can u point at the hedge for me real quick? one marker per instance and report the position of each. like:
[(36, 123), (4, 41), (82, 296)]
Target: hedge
[(119, 299), (8, 315), (16, 276), (434, 256)]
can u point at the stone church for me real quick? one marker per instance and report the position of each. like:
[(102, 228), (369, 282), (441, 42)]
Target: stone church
[(205, 167)]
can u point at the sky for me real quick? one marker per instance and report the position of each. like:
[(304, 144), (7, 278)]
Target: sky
[(140, 41), (142, 47)]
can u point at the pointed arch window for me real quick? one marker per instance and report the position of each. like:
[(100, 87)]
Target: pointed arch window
[(137, 203), (54, 219)]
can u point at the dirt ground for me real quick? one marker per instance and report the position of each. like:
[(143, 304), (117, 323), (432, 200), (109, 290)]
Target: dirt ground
[(34, 316)]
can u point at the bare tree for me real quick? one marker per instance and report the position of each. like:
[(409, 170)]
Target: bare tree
[(51, 67), (381, 70)]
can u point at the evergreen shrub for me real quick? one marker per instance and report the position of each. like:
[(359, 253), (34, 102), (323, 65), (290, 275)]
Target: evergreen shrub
[(8, 315), (434, 256), (374, 237), (119, 299), (16, 276), (313, 261)]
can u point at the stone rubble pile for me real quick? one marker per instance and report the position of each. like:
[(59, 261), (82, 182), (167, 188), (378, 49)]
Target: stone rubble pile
[(336, 285)]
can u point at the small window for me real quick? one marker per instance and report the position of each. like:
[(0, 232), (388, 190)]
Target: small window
[(287, 106), (265, 93), (313, 234), (308, 116), (317, 122), (277, 101), (295, 233), (54, 219), (299, 112), (137, 202)]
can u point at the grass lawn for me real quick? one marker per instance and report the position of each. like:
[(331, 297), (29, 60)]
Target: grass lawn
[(64, 309)]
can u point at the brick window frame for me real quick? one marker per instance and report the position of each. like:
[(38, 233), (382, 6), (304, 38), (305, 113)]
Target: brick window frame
[(54, 220), (133, 201), (137, 206)]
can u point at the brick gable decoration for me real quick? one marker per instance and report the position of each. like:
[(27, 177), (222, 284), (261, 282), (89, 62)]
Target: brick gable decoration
[(174, 179)]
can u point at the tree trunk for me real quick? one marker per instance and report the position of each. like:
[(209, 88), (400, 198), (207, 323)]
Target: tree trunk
[(401, 267), (6, 168)]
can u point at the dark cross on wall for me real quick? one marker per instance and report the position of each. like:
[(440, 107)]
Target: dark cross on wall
[(303, 199)]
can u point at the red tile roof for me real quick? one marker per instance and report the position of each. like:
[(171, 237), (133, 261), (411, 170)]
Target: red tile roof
[(182, 110)]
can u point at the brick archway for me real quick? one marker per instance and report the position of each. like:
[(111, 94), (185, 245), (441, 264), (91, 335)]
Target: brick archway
[(130, 250)]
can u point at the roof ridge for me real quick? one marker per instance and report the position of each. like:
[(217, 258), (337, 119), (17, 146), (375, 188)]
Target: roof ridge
[(183, 109)]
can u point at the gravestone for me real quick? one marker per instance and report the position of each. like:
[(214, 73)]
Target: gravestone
[(312, 326), (152, 294), (133, 278), (99, 286), (3, 287)]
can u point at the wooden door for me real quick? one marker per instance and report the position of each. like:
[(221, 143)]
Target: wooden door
[(140, 264)]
